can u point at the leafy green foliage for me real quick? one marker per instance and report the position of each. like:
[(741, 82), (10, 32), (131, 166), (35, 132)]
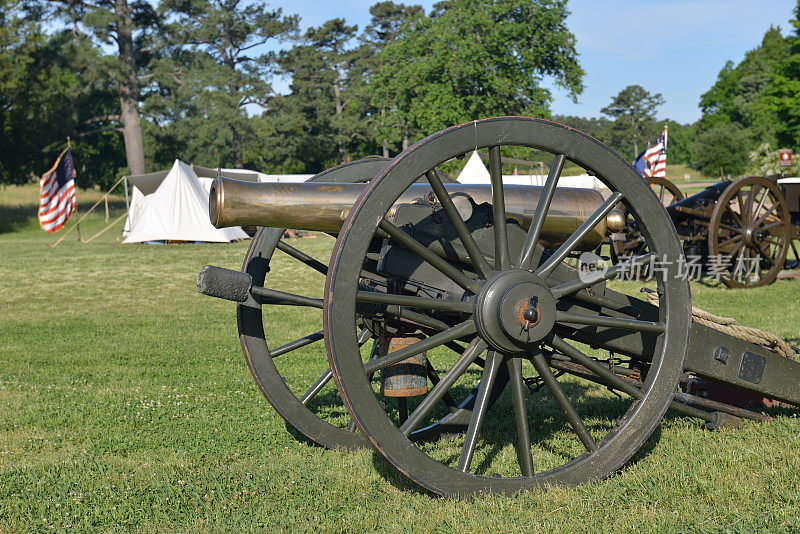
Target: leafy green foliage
[(473, 59), (680, 144), (46, 94), (633, 110), (722, 149), (209, 76), (757, 100)]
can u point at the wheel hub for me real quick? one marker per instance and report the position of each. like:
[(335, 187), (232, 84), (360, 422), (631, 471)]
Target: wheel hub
[(514, 310), (749, 236)]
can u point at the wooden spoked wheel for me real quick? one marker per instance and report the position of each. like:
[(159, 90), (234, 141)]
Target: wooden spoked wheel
[(564, 437), (630, 242), (309, 404), (749, 233)]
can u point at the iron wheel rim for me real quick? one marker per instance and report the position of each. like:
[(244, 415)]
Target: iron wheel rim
[(340, 298), (733, 193), (253, 338)]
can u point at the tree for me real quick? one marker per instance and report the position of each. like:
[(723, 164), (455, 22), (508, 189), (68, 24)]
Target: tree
[(781, 96), (218, 76), (46, 95), (125, 26), (326, 72), (385, 27), (744, 93), (722, 149), (632, 107), (322, 120), (476, 58)]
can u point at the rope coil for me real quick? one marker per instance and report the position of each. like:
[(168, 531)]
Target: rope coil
[(731, 326)]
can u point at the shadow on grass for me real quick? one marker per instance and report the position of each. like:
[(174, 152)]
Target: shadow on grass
[(550, 431), (14, 218), (397, 479)]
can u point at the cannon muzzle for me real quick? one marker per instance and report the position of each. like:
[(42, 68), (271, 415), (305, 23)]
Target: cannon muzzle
[(324, 206)]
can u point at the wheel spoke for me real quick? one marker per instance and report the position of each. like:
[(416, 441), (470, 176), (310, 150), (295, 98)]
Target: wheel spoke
[(302, 257), (730, 241), (611, 322), (537, 223), (749, 202), (563, 401), (317, 387), (729, 227), (583, 230), (501, 254), (741, 203), (418, 318), (765, 254), (597, 368), (460, 330), (443, 387), (415, 302), (279, 297), (433, 376), (493, 362), (521, 416), (771, 225), (760, 204), (474, 253), (576, 285), (736, 249), (296, 344), (423, 252), (737, 220), (761, 219)]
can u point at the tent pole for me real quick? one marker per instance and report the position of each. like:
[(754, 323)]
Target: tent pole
[(118, 219), (78, 224), (127, 202)]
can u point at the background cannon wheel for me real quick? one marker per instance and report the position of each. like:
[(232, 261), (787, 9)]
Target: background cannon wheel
[(630, 242), (583, 441), (749, 233), (293, 403)]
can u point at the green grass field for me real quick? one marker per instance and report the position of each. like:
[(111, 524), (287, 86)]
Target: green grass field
[(126, 404)]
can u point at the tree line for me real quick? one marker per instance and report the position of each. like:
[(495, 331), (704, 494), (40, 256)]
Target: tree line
[(137, 84)]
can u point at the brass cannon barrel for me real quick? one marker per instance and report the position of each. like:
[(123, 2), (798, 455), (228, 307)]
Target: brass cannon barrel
[(324, 206)]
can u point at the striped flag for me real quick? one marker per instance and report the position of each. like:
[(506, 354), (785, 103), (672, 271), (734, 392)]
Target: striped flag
[(57, 193), (655, 157)]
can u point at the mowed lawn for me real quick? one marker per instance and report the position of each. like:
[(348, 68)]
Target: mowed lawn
[(126, 404)]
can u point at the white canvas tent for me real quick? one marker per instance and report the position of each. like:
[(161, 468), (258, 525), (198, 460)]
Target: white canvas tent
[(173, 207), (475, 172)]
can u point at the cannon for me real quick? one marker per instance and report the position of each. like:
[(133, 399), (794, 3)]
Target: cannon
[(438, 299), (739, 231)]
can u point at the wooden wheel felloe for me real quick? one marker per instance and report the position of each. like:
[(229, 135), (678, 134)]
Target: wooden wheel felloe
[(482, 307), (630, 242), (748, 235), (294, 401), (666, 191)]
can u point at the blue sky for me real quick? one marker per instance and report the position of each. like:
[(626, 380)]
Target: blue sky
[(672, 47)]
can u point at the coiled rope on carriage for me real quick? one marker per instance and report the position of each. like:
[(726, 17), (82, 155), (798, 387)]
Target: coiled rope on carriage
[(731, 326)]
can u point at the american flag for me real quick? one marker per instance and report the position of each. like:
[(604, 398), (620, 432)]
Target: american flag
[(656, 157), (57, 193)]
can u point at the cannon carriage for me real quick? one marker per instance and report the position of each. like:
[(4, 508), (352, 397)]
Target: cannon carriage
[(737, 231), (439, 298)]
